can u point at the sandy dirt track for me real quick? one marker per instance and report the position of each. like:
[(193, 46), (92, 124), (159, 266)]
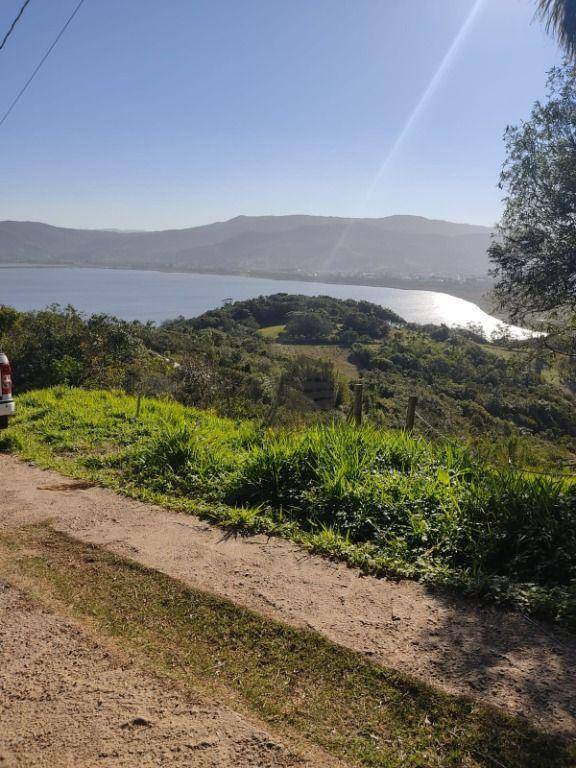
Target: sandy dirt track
[(68, 701), (499, 657)]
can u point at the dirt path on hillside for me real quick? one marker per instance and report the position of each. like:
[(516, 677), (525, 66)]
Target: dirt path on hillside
[(67, 700), (501, 658)]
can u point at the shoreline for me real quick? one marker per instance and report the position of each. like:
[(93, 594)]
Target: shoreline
[(475, 291)]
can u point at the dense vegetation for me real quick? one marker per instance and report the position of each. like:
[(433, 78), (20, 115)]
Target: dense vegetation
[(385, 501), (253, 359), (466, 385), (309, 318), (230, 371)]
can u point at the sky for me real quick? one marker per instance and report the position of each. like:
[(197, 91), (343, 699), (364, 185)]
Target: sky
[(155, 115)]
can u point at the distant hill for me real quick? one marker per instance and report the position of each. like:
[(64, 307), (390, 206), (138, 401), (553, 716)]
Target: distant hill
[(398, 246)]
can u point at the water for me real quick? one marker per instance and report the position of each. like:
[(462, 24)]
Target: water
[(145, 295)]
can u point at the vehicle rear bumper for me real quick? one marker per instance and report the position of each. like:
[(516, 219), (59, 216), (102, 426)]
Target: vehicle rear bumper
[(7, 408)]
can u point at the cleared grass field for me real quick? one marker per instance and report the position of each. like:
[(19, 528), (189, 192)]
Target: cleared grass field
[(272, 331), (328, 352)]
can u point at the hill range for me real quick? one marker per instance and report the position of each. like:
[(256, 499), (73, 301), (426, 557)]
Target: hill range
[(402, 247)]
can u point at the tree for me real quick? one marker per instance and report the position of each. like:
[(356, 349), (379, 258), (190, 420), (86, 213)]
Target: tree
[(366, 325), (535, 252), (309, 326), (559, 17), (60, 346)]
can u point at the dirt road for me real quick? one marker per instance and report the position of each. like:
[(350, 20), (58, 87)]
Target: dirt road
[(66, 700), (501, 658)]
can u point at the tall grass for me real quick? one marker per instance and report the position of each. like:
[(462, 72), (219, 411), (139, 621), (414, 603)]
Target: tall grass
[(385, 500)]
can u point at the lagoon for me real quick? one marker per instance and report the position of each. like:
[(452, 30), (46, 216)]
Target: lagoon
[(147, 295)]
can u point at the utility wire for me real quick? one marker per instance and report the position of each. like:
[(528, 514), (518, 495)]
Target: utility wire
[(430, 427), (16, 20), (40, 63)]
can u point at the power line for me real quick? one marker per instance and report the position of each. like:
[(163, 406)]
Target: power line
[(16, 20), (41, 62)]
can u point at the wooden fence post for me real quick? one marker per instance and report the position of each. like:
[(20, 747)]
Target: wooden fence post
[(358, 401), (411, 412), (138, 404)]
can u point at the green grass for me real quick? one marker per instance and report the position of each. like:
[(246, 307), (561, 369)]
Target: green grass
[(272, 331), (383, 501), (301, 684)]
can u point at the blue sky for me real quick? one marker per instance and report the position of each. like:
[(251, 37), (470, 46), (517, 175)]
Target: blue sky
[(152, 114)]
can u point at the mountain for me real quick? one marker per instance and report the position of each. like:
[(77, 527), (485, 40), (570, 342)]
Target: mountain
[(398, 246)]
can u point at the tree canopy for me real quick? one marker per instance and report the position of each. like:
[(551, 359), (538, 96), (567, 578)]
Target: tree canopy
[(535, 252), (560, 18)]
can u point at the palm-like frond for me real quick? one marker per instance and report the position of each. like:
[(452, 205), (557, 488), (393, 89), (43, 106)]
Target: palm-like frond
[(560, 18)]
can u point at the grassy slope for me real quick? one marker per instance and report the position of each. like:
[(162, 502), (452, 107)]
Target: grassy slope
[(380, 501), (302, 685)]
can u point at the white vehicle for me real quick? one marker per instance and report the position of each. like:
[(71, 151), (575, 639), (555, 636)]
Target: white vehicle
[(7, 407)]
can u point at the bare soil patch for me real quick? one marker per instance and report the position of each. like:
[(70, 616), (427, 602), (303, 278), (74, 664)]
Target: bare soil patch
[(70, 701)]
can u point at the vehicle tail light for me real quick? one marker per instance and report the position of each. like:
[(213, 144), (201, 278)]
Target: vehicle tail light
[(5, 376)]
